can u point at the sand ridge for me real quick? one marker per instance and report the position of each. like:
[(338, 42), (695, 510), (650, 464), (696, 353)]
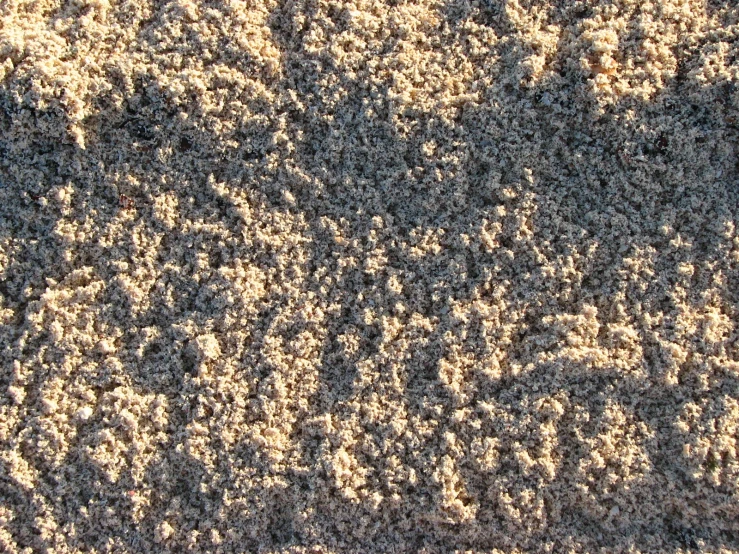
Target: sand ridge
[(358, 276)]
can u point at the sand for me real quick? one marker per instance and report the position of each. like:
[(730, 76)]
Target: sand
[(359, 276)]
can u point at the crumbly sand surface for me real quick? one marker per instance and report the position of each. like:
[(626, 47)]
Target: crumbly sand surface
[(369, 276)]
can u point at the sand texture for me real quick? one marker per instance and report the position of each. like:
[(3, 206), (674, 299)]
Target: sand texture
[(369, 276)]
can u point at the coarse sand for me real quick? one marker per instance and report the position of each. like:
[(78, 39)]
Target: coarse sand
[(369, 276)]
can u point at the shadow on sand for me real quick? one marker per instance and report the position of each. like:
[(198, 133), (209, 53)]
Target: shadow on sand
[(515, 219)]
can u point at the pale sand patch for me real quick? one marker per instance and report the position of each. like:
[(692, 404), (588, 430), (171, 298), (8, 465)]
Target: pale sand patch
[(326, 276)]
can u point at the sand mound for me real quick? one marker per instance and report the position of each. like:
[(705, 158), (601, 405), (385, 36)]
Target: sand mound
[(364, 276)]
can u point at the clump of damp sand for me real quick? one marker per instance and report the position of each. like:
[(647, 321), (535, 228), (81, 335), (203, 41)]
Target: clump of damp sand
[(326, 276)]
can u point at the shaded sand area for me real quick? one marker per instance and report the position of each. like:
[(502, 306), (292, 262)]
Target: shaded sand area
[(326, 276)]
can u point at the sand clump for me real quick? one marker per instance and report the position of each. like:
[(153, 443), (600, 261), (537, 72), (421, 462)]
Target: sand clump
[(360, 276)]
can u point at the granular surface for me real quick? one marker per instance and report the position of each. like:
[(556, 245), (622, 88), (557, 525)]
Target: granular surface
[(369, 276)]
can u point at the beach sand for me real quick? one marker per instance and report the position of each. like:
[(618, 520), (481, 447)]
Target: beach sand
[(359, 276)]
